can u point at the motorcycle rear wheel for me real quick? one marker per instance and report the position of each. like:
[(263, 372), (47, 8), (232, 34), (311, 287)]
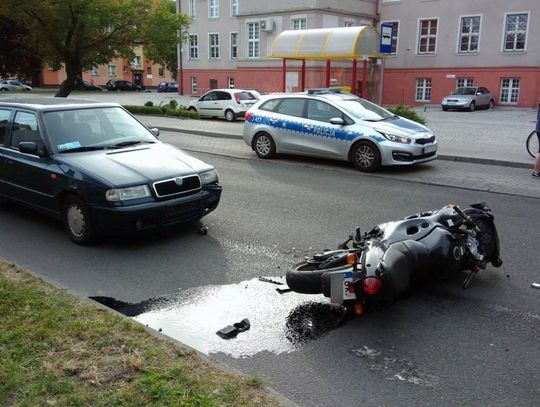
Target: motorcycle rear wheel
[(305, 277)]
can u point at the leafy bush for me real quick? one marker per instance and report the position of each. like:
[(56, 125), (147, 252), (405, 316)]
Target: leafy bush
[(407, 112), (161, 110), (149, 103), (173, 104)]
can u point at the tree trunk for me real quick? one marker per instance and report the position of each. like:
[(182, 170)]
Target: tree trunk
[(74, 75)]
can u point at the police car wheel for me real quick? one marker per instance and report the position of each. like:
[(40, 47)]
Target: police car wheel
[(366, 157), (264, 146)]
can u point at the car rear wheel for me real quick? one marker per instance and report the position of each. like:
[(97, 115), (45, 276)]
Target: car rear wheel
[(77, 221), (229, 115), (264, 145), (192, 109), (444, 108), (366, 157), (472, 106), (491, 104)]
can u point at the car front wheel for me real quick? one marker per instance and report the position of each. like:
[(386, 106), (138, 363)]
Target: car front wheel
[(264, 145), (366, 156), (77, 220), (472, 106)]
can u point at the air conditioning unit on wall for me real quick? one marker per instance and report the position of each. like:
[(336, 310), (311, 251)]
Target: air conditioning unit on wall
[(266, 24)]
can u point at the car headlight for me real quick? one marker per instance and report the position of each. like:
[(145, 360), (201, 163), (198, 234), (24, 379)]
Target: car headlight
[(394, 137), (208, 177), (124, 194)]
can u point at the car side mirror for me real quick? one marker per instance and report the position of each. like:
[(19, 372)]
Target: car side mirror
[(30, 147), (155, 131), (337, 121)]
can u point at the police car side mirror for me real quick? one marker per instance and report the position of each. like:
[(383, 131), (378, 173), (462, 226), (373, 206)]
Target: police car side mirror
[(337, 121)]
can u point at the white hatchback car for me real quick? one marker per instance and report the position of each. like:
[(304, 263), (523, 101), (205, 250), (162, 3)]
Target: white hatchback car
[(338, 126), (228, 103)]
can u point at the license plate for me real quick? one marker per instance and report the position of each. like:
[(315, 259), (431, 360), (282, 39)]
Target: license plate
[(348, 289), (430, 149), (182, 209)]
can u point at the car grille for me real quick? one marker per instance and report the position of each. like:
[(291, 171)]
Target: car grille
[(425, 140), (171, 187)]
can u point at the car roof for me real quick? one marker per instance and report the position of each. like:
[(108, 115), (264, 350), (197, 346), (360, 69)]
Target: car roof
[(330, 96), (45, 104)]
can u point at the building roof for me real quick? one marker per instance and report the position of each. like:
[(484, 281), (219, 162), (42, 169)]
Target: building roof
[(327, 43)]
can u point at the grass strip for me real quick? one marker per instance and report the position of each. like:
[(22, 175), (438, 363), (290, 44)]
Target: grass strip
[(56, 350)]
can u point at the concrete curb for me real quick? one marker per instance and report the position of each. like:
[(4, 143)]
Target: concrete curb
[(474, 160)]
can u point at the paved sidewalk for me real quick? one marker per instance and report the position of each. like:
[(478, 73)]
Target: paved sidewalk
[(494, 137)]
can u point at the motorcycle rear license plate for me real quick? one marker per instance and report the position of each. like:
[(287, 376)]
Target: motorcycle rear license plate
[(348, 289), (430, 149)]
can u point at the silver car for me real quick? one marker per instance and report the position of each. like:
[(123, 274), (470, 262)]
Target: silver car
[(338, 126), (227, 103), (470, 98), (13, 85)]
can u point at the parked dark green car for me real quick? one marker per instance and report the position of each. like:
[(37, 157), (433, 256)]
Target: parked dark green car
[(98, 169)]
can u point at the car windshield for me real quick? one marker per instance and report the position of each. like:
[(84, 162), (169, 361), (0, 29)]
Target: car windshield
[(464, 91), (94, 128), (365, 110)]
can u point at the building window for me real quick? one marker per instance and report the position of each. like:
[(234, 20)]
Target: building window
[(253, 40), (348, 23), (230, 82), (161, 72), (191, 10), (235, 7), (464, 82), (193, 84), (395, 28), (423, 89), (149, 70), (469, 33), (298, 24), (515, 32), (509, 90), (213, 46), (234, 45), (213, 8), (193, 46), (94, 71), (111, 70), (427, 36), (136, 63)]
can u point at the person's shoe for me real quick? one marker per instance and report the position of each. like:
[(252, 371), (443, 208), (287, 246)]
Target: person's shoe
[(536, 174)]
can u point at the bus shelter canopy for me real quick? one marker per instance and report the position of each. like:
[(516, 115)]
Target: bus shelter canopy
[(328, 43)]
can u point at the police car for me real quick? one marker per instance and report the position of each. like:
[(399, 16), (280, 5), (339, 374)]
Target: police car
[(338, 126)]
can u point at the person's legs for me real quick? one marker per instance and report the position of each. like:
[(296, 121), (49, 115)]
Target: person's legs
[(536, 170)]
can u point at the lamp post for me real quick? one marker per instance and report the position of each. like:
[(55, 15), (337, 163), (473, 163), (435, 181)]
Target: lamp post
[(180, 71)]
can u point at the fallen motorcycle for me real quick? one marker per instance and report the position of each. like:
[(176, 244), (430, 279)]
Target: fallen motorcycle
[(393, 258)]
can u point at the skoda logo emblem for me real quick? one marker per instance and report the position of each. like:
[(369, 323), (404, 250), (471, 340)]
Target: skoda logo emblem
[(178, 181)]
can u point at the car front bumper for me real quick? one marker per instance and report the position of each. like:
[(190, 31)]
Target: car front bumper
[(399, 154), (155, 215)]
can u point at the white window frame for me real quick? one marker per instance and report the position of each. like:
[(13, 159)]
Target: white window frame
[(302, 22), (111, 70), (395, 35), (460, 34), (428, 36), (213, 8), (213, 47), (94, 71), (194, 85), (192, 10), (424, 85), (230, 82), (503, 45), (233, 45), (510, 90), (235, 8), (192, 47), (464, 82), (256, 40)]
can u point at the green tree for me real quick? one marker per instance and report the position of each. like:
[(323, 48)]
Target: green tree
[(79, 34)]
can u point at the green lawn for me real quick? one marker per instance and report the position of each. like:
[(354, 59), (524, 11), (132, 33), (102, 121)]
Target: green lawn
[(56, 350)]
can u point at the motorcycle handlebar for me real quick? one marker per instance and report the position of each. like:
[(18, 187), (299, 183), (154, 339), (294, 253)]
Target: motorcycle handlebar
[(466, 218)]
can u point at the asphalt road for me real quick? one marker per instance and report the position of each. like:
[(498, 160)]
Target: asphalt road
[(443, 346)]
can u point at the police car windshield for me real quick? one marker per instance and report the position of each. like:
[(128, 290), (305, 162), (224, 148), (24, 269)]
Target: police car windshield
[(365, 110)]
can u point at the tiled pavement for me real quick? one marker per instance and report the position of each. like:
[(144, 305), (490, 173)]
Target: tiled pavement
[(217, 137)]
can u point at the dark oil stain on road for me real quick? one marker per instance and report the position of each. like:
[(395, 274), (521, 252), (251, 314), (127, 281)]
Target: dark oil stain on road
[(280, 322)]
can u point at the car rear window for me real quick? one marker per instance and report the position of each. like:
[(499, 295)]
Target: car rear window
[(244, 96)]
